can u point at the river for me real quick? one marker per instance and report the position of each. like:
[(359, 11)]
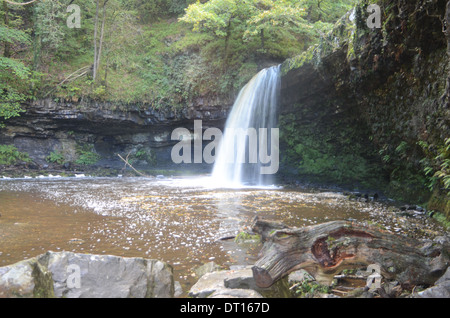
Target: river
[(177, 220)]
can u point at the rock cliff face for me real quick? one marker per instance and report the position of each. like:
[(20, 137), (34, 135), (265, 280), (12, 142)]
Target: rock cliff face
[(48, 126), (372, 104)]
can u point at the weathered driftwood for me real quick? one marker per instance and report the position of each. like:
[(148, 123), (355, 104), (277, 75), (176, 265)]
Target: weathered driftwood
[(326, 249), (265, 228)]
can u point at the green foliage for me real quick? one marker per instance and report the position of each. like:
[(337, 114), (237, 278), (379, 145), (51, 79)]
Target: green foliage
[(151, 59), (56, 157), (266, 20), (437, 164), (50, 23), (443, 219), (145, 155), (250, 20), (213, 16), (245, 237), (86, 155), (13, 76), (151, 10), (11, 35), (9, 155), (309, 288)]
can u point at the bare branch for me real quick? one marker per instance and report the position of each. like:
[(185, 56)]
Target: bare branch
[(128, 164), (19, 3)]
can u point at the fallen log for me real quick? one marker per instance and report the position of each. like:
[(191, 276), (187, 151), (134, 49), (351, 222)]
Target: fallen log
[(325, 250), (266, 227)]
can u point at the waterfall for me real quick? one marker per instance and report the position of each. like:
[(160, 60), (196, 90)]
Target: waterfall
[(251, 134)]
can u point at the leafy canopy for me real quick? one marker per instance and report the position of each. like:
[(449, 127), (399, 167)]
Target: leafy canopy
[(255, 18)]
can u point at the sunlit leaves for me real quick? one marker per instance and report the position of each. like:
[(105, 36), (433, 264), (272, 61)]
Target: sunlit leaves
[(275, 15), (214, 15)]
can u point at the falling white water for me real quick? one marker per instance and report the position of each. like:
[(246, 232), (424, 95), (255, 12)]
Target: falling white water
[(249, 127)]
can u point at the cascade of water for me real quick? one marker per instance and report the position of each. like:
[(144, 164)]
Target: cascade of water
[(250, 134)]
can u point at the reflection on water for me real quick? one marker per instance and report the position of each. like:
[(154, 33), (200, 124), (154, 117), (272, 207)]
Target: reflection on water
[(180, 221)]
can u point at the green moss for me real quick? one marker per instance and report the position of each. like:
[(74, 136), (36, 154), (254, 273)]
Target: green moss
[(308, 288), (343, 34), (309, 56), (43, 282), (443, 219), (245, 237), (328, 150), (440, 202)]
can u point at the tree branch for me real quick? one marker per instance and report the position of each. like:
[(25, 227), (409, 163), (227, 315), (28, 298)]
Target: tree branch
[(20, 4), (128, 164)]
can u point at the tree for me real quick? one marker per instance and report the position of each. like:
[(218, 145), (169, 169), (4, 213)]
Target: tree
[(13, 73), (153, 10), (274, 17), (216, 17), (255, 19)]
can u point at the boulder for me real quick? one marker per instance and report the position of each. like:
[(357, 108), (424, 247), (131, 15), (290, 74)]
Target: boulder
[(206, 268), (71, 275), (440, 290), (26, 279), (235, 283), (224, 284)]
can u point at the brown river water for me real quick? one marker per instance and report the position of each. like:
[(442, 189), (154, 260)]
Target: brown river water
[(176, 220)]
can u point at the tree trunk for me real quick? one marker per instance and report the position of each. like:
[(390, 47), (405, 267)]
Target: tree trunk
[(263, 40), (99, 55), (447, 34), (94, 76), (7, 45), (327, 249)]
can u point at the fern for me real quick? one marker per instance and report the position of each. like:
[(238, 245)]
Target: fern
[(9, 155)]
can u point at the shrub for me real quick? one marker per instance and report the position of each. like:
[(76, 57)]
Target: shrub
[(56, 157), (86, 155)]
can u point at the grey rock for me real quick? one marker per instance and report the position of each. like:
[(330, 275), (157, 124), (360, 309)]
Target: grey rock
[(227, 284), (206, 268), (49, 126), (444, 278), (71, 275), (17, 280), (299, 276), (241, 279), (178, 289), (237, 283), (440, 290), (236, 293)]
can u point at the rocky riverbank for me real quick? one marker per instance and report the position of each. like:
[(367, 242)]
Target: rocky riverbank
[(239, 283), (72, 275)]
